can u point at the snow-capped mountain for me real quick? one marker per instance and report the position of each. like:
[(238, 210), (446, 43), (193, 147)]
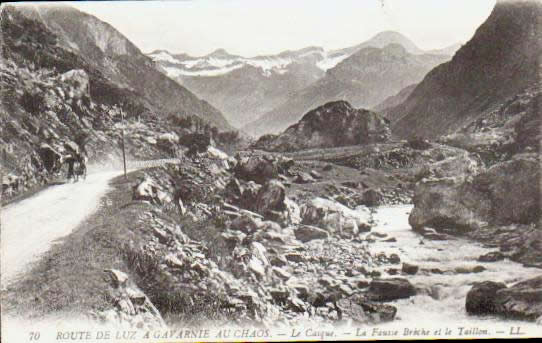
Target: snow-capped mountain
[(219, 62), (364, 79), (245, 88)]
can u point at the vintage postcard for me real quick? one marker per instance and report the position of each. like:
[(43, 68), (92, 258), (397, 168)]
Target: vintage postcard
[(241, 170)]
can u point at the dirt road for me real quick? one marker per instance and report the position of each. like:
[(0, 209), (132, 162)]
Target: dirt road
[(31, 226)]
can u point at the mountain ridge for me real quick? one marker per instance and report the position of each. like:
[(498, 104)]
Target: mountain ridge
[(252, 86), (365, 79), (486, 70)]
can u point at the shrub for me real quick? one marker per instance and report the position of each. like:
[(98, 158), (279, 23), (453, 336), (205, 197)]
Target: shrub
[(33, 102)]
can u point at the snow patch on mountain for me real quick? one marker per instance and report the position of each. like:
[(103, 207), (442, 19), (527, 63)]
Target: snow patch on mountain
[(213, 66), (330, 62)]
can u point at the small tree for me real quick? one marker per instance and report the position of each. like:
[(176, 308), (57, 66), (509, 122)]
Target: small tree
[(195, 142)]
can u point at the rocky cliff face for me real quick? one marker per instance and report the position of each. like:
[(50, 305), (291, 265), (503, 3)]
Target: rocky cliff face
[(499, 62), (334, 124), (499, 205), (364, 79)]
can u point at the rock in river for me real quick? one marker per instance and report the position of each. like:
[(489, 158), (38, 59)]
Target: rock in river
[(390, 289), (481, 297)]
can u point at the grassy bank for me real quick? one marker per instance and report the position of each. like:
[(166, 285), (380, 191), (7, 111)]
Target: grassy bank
[(70, 276)]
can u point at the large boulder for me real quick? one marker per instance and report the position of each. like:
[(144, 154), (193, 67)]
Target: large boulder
[(168, 141), (148, 190), (390, 289), (334, 216), (270, 198), (319, 127), (508, 192), (372, 197), (481, 297), (249, 195), (306, 233), (303, 177), (514, 189), (361, 311), (256, 168), (522, 300)]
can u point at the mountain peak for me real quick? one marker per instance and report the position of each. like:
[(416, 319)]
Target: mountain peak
[(220, 53), (385, 38), (395, 48)]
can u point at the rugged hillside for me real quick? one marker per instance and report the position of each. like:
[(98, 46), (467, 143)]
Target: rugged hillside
[(53, 97), (447, 50), (395, 100), (334, 124), (113, 54), (499, 62), (365, 79)]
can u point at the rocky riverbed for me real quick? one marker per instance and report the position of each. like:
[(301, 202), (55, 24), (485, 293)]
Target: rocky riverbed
[(228, 239)]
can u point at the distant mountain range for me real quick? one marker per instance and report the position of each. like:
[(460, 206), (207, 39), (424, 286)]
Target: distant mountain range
[(365, 78), (245, 89)]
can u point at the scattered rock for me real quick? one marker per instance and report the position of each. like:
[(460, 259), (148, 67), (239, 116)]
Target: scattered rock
[(256, 168), (493, 256), (271, 198), (306, 233), (410, 268), (294, 257), (303, 177), (390, 289), (315, 175), (469, 269), (246, 224), (362, 311), (372, 197), (394, 258)]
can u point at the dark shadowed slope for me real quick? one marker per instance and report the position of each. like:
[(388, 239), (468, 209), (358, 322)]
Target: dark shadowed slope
[(500, 61)]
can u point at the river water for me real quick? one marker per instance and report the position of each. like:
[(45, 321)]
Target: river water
[(441, 300)]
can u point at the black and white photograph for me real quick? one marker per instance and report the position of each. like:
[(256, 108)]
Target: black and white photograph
[(266, 171)]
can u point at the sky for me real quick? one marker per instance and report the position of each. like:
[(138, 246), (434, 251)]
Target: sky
[(258, 27)]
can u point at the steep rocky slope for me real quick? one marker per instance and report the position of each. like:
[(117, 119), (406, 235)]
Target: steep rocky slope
[(55, 97), (394, 100), (364, 79), (109, 51), (494, 114), (499, 62), (334, 124)]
